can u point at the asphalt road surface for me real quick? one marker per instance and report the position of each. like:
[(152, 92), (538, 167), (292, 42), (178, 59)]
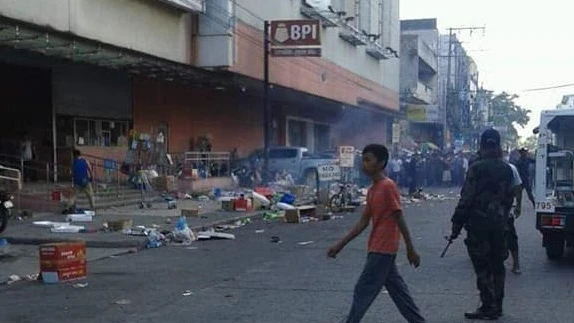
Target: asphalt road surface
[(251, 279)]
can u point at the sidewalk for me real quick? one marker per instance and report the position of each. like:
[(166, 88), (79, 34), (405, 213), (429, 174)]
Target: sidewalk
[(158, 216)]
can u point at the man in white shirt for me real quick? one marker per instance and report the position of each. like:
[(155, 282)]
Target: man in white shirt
[(512, 239)]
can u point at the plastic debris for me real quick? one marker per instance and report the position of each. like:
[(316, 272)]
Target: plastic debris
[(304, 243), (123, 302), (259, 231), (187, 293), (80, 285), (13, 279), (275, 239)]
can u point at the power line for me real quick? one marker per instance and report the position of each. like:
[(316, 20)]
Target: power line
[(550, 87)]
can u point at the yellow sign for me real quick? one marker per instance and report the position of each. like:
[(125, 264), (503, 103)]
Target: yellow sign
[(416, 112)]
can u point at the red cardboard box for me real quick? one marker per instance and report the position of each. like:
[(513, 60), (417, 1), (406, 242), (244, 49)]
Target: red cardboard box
[(63, 251), (65, 274)]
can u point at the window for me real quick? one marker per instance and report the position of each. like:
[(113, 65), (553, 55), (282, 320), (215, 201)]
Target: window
[(94, 132), (283, 153)]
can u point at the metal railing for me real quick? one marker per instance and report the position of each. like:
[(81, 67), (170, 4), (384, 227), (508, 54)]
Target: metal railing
[(208, 164)]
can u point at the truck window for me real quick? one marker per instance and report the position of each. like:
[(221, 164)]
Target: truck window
[(283, 153)]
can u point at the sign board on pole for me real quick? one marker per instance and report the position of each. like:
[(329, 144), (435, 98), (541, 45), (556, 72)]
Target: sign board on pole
[(347, 156), (295, 33), (329, 172), (295, 38)]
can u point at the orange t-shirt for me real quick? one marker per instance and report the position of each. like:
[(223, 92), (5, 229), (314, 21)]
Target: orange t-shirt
[(383, 199)]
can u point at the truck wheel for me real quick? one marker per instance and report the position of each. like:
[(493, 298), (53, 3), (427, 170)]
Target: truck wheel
[(555, 248)]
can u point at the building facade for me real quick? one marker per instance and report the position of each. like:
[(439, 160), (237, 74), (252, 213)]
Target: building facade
[(458, 84), (189, 69), (419, 81)]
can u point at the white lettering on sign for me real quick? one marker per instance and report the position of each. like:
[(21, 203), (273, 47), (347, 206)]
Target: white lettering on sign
[(301, 32), (329, 172)]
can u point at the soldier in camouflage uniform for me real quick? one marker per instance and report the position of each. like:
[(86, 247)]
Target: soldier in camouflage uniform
[(483, 209)]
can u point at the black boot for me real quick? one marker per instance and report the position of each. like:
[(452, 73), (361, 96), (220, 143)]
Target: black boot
[(483, 313)]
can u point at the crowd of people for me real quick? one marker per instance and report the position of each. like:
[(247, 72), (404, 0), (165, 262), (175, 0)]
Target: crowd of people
[(414, 171), (433, 169)]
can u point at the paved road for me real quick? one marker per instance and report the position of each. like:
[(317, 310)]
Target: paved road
[(253, 280)]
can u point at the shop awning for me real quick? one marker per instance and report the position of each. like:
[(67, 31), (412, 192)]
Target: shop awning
[(60, 45)]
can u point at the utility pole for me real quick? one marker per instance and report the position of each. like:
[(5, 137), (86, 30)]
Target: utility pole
[(449, 55), (266, 104)]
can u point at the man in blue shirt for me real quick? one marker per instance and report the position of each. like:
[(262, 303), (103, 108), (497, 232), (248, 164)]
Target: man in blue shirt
[(81, 180)]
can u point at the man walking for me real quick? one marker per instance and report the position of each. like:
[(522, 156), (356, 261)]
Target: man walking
[(523, 166), (483, 209), (384, 211), (82, 177)]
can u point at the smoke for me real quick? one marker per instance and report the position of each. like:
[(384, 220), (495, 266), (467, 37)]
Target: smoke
[(359, 127)]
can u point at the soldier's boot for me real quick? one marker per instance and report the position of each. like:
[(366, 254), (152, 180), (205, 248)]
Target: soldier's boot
[(484, 312)]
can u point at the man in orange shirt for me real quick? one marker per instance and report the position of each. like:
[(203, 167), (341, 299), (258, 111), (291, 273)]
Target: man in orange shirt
[(384, 210)]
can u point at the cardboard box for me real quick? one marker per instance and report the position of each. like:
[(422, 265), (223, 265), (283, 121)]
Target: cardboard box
[(292, 216), (242, 204), (120, 225), (63, 251), (65, 274), (55, 265), (190, 212), (227, 205), (64, 261)]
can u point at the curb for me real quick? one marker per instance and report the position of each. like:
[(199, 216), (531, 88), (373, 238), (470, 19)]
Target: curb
[(139, 243)]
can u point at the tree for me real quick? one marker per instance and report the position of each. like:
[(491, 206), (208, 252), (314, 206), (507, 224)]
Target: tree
[(529, 142), (505, 114)]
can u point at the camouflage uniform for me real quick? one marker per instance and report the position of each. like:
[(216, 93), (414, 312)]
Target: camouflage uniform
[(483, 209)]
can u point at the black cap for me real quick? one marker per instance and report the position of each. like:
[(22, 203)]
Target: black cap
[(490, 138)]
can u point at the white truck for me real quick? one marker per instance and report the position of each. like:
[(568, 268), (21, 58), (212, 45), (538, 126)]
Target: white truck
[(554, 181)]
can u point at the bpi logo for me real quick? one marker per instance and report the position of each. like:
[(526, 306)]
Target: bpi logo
[(296, 32)]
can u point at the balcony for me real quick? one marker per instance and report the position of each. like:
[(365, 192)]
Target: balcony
[(428, 55), (423, 93), (376, 51), (327, 18), (352, 35)]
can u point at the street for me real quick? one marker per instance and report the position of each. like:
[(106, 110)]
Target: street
[(252, 279)]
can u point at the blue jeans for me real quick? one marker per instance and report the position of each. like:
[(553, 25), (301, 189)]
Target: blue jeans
[(380, 270)]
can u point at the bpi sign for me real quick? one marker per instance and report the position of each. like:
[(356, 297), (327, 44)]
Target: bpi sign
[(295, 33)]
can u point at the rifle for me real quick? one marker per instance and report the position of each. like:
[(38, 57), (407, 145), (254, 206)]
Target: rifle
[(450, 240)]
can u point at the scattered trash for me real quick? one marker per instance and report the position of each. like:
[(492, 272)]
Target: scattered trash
[(154, 239), (168, 221), (212, 234), (80, 285), (192, 248), (67, 229), (123, 302), (13, 279), (182, 233), (275, 239), (304, 243), (79, 218), (187, 293), (4, 247), (228, 296), (271, 215), (32, 277), (259, 231), (337, 217), (284, 206)]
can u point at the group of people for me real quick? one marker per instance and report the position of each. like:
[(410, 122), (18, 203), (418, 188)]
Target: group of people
[(432, 169), (491, 186)]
